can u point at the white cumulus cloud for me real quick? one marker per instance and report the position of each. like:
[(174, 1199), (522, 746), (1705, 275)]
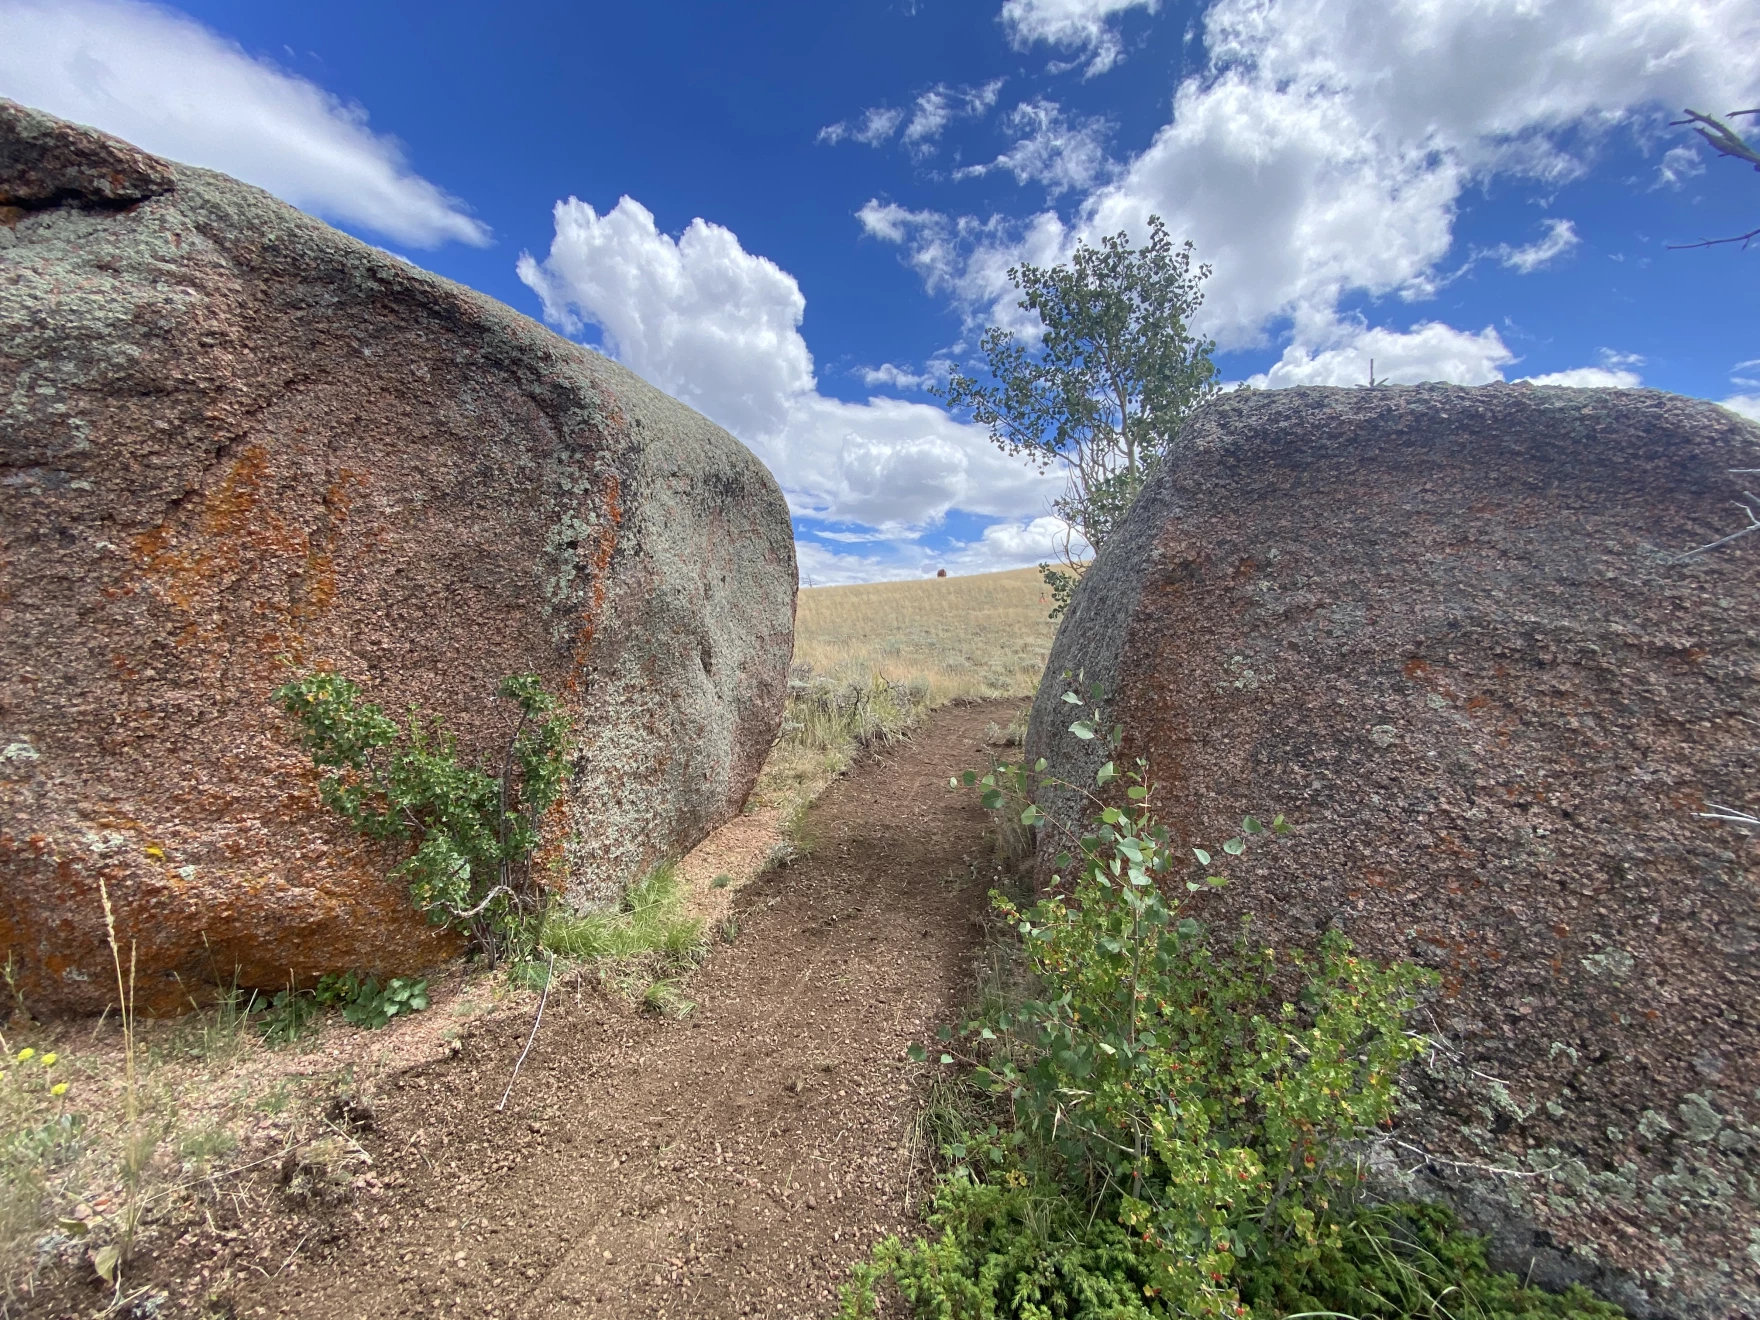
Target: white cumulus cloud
[(1012, 543), (1006, 545), (1747, 405), (902, 378), (1062, 153), (1615, 372), (698, 315), (1087, 28), (1588, 377), (1560, 238), (1324, 150), (1346, 352), (719, 327), (171, 86)]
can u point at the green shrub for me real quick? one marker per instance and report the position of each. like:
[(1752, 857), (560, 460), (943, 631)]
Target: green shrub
[(475, 828), (1038, 1252), (1178, 1119), (366, 1003)]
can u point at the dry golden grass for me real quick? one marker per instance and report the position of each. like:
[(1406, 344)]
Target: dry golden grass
[(967, 638), (872, 660)]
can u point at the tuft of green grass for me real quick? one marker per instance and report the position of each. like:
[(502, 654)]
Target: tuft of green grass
[(666, 999), (650, 922)]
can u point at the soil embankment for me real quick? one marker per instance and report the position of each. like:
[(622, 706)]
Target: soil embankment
[(733, 1163)]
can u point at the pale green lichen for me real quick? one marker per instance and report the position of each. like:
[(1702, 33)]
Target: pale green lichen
[(1653, 1126), (1701, 1121), (1615, 963), (1689, 1193)]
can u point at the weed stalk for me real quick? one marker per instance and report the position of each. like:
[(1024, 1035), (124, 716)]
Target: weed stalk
[(134, 1157)]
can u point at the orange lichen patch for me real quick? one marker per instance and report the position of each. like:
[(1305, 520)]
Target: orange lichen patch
[(604, 545), (319, 569)]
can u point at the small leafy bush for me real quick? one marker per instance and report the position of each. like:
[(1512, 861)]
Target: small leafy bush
[(475, 828), (290, 1014), (366, 1003), (38, 1133), (1176, 1118)]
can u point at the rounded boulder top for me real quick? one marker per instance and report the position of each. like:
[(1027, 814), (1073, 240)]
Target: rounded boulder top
[(1492, 653), (241, 445)]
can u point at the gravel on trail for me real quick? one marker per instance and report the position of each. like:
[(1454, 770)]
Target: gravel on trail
[(732, 1163)]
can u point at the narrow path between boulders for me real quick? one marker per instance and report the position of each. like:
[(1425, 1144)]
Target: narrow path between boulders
[(734, 1163)]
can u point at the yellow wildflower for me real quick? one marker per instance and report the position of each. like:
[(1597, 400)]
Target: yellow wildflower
[(26, 1054), (60, 1088), (49, 1059)]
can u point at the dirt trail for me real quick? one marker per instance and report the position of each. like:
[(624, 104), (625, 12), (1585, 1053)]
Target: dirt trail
[(734, 1163)]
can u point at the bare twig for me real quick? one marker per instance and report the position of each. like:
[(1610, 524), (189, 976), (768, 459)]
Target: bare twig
[(1743, 239), (1430, 1158), (549, 969), (1731, 814), (1725, 141), (1753, 522), (487, 899), (348, 1137), (284, 1264)]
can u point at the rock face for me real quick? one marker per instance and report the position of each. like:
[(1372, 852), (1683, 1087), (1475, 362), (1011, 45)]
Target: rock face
[(236, 444), (1450, 634)]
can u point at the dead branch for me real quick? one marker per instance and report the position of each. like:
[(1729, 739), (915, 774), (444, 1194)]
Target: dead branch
[(1753, 522)]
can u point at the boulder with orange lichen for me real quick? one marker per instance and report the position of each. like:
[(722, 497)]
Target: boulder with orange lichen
[(236, 444), (1455, 637)]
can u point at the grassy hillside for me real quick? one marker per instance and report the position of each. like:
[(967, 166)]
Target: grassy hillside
[(873, 660), (964, 637)]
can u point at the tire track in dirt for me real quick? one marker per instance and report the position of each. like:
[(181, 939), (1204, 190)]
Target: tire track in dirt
[(732, 1164)]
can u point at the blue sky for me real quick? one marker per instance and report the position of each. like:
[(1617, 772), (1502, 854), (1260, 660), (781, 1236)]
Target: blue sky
[(796, 216)]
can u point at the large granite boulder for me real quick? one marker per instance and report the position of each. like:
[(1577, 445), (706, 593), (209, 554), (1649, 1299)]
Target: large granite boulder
[(236, 444), (1454, 636)]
